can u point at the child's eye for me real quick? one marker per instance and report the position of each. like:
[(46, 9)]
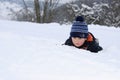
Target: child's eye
[(74, 37)]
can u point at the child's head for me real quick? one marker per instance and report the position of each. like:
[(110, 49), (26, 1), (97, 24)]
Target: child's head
[(79, 31)]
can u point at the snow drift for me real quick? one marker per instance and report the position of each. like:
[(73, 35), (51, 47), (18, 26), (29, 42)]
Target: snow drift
[(30, 51)]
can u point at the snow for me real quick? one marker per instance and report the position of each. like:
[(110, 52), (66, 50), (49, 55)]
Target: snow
[(30, 51), (85, 6)]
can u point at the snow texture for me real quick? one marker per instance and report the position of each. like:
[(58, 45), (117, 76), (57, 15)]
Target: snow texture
[(30, 51)]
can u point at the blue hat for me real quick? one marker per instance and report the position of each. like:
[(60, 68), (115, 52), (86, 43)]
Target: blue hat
[(78, 34), (79, 18), (79, 29)]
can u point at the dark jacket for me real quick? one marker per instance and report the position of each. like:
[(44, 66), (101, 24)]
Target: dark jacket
[(90, 44)]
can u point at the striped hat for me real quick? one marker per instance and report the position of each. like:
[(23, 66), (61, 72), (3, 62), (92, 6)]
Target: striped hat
[(79, 29)]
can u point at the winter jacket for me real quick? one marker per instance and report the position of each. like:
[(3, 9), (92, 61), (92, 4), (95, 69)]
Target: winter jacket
[(90, 44)]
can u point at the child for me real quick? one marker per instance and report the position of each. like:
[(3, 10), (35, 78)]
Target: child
[(81, 38)]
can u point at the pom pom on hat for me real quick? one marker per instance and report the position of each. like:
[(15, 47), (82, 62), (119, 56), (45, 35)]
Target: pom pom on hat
[(79, 18)]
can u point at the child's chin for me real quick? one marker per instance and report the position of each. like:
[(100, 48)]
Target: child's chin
[(77, 45)]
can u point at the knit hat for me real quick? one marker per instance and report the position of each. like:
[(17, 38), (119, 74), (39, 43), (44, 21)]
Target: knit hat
[(79, 29)]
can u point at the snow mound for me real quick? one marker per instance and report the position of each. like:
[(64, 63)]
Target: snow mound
[(32, 51)]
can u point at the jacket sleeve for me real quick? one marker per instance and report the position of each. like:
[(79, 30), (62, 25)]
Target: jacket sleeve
[(68, 42), (94, 46)]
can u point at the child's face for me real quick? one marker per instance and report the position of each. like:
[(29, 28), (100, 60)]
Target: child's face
[(78, 41)]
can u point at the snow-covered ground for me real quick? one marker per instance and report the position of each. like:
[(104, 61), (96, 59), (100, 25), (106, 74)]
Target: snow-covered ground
[(30, 51)]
